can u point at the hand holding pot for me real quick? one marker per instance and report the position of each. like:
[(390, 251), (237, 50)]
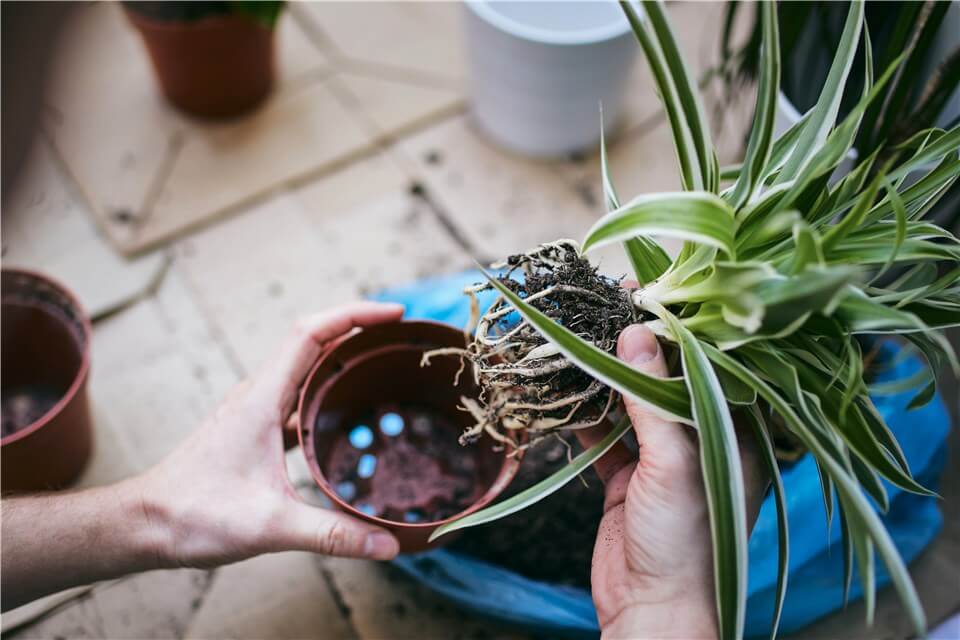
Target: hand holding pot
[(652, 563), (222, 496)]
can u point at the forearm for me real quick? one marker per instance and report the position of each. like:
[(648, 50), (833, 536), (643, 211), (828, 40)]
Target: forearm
[(52, 542)]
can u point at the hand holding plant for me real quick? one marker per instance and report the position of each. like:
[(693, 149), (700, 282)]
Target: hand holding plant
[(652, 566)]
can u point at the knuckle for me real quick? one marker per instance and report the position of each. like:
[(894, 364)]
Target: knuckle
[(335, 539)]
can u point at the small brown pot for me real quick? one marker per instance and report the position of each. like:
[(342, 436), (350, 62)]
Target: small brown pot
[(46, 336), (380, 366), (214, 67)]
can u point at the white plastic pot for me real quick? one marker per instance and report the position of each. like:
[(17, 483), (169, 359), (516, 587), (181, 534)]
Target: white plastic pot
[(539, 72)]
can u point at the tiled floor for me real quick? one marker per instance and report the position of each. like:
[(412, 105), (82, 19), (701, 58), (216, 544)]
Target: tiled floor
[(361, 172)]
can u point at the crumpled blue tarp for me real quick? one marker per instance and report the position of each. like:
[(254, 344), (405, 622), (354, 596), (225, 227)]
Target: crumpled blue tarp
[(815, 584)]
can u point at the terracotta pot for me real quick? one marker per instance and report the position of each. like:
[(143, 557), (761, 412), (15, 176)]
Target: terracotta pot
[(45, 361), (215, 67), (380, 366)]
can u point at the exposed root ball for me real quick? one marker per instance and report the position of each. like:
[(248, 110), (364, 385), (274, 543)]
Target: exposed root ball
[(529, 391)]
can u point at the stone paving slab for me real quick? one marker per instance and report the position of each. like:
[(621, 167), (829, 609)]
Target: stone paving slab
[(419, 39), (125, 145), (47, 227), (502, 203), (282, 596), (300, 253), (155, 605), (384, 604)]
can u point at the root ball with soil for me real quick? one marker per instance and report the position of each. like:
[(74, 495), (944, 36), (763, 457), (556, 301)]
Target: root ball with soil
[(529, 390)]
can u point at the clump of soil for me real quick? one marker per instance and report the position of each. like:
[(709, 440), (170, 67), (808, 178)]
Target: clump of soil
[(551, 540), (529, 390), (25, 404)]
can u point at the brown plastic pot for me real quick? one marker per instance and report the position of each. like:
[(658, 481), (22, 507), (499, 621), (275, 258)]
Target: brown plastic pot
[(45, 361), (378, 366), (214, 67)]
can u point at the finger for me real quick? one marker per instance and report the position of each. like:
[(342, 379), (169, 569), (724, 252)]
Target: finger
[(282, 376), (618, 457), (333, 533), (665, 446)]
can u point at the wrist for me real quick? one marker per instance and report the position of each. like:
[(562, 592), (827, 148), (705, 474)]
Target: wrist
[(147, 522), (687, 619)]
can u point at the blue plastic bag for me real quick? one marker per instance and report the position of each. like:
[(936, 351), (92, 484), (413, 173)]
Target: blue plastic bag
[(815, 585)]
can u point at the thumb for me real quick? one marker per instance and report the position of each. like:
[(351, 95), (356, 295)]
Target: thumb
[(333, 533), (662, 442)]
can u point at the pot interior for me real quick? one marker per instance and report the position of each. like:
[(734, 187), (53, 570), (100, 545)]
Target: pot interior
[(385, 435), (43, 342)]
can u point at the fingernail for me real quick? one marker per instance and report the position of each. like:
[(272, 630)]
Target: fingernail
[(380, 546), (637, 344)]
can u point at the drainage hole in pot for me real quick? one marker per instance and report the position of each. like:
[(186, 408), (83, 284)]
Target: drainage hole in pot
[(416, 474), (22, 405)]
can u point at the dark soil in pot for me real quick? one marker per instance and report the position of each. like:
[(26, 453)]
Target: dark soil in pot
[(552, 540), (399, 463)]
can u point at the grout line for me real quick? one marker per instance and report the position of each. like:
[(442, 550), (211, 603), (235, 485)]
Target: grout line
[(214, 330), (338, 600), (345, 63), (175, 143)]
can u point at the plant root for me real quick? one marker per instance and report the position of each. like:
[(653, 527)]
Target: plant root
[(529, 390)]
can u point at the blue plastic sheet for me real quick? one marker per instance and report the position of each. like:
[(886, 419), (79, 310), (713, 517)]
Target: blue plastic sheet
[(816, 565)]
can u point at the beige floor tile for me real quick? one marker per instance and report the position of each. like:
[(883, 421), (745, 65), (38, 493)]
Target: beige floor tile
[(222, 165), (126, 147), (384, 604), (397, 37), (281, 596), (296, 254), (502, 203), (296, 54), (154, 605), (48, 228), (157, 371), (108, 120), (395, 107)]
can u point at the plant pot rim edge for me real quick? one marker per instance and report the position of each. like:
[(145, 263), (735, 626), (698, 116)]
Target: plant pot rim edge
[(505, 475)]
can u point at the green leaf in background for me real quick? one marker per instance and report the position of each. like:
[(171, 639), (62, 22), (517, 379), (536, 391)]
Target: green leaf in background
[(765, 445), (761, 134)]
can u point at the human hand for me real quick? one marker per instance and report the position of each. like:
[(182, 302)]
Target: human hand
[(652, 573), (223, 495)]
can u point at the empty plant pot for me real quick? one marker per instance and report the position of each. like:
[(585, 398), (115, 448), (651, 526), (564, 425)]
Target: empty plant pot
[(47, 434), (540, 70), (215, 66), (379, 432)]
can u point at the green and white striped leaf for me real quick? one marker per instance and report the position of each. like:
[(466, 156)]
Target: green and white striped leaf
[(542, 489), (868, 523), (696, 216), (648, 259), (769, 457), (824, 113), (761, 134), (722, 478)]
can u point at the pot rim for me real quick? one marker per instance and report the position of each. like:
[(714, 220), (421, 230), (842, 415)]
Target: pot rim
[(540, 35), (81, 376), (205, 23), (508, 467)]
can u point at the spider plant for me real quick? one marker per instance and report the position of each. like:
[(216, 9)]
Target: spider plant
[(765, 307)]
